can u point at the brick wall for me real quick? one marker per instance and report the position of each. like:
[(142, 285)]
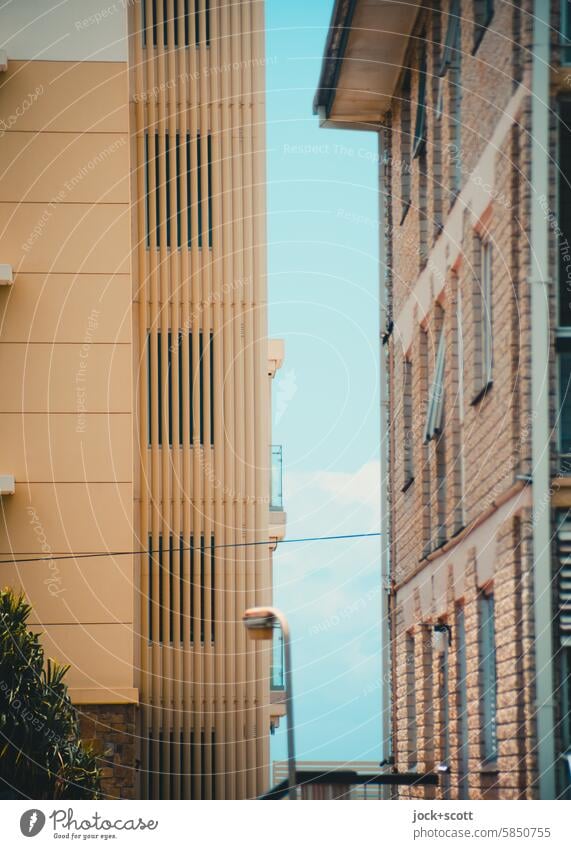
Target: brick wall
[(462, 477), (111, 730)]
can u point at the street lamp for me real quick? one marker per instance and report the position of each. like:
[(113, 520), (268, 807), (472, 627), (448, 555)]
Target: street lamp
[(260, 622)]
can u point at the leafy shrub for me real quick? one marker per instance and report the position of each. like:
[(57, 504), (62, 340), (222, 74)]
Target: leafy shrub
[(41, 754)]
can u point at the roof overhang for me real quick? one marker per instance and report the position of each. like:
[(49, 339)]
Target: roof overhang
[(364, 52)]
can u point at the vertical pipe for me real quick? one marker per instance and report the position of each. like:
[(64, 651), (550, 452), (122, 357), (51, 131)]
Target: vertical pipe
[(384, 469), (540, 335)]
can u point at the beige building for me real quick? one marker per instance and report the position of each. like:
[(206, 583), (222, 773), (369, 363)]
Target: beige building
[(471, 105), (136, 374)]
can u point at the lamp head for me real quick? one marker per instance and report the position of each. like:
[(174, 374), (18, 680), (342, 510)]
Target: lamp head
[(259, 622)]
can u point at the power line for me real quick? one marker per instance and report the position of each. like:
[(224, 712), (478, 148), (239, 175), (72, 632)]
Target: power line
[(54, 555)]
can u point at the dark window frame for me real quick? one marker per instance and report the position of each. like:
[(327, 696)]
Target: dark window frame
[(483, 14), (419, 139)]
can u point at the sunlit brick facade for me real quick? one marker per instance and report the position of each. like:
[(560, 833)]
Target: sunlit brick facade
[(455, 120)]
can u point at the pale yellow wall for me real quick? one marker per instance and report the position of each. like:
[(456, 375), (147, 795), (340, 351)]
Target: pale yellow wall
[(66, 362)]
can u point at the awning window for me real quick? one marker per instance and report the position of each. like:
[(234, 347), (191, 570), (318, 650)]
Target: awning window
[(436, 395)]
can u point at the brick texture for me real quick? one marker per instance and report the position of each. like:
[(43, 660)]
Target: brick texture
[(111, 731), (444, 490)]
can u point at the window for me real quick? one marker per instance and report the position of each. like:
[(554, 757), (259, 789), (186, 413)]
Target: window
[(433, 431), (427, 711), (483, 14), (411, 716), (183, 30), (451, 41), (462, 703), (424, 471), (435, 408), (451, 65), (405, 144), (483, 350), (168, 168), (434, 167), (488, 677), (459, 471), (408, 435), (444, 721), (419, 152), (442, 489), (419, 144)]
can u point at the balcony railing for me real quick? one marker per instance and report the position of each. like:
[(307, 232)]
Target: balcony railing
[(347, 784), (276, 481), (277, 679)]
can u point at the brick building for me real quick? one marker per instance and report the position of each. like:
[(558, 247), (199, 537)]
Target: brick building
[(471, 102)]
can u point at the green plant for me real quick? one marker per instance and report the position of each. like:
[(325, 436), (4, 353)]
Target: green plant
[(41, 754)]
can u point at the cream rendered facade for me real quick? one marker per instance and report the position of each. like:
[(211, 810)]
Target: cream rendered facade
[(136, 372)]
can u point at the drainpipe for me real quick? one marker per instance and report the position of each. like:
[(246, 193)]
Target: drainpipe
[(540, 338), (386, 701)]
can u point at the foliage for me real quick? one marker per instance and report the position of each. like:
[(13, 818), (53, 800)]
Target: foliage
[(41, 755)]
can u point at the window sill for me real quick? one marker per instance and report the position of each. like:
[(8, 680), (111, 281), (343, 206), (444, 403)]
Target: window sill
[(432, 548), (479, 396), (407, 484), (489, 767)]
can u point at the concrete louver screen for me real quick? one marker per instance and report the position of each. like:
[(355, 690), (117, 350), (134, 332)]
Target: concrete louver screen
[(189, 156), (190, 596), (171, 389), (185, 16), (197, 82)]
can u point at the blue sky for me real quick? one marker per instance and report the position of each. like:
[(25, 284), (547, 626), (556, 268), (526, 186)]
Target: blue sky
[(323, 284)]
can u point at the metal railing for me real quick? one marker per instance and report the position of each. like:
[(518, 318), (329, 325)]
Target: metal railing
[(347, 784), (277, 677), (276, 479)]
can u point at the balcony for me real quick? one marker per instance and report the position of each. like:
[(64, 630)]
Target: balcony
[(276, 481), (336, 780), (277, 681), (277, 514)]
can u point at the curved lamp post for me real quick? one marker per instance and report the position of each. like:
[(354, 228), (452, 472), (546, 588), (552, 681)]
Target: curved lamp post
[(260, 622)]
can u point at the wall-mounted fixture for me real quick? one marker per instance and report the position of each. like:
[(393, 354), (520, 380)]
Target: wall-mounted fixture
[(3, 61), (7, 485), (6, 275), (442, 637)]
